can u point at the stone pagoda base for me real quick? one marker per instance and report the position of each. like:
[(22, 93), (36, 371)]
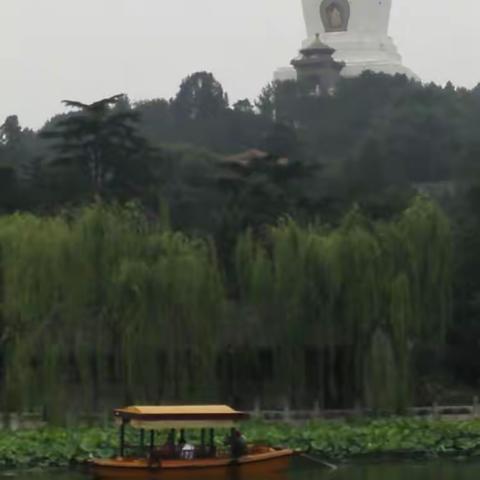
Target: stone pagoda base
[(360, 53)]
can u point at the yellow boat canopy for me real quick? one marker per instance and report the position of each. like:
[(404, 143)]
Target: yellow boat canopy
[(178, 417)]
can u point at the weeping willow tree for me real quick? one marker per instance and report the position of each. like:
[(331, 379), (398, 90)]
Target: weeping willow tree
[(418, 250), (168, 306), (322, 293), (31, 296), (363, 294), (105, 304)]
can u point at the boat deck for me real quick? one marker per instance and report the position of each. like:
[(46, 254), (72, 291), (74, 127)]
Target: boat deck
[(268, 461)]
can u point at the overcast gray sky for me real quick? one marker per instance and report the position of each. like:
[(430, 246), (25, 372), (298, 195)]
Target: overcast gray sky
[(88, 49)]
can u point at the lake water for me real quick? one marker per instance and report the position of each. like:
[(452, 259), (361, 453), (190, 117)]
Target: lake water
[(420, 471)]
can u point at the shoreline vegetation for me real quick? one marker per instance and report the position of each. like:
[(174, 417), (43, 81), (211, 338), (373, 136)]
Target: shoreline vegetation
[(337, 441)]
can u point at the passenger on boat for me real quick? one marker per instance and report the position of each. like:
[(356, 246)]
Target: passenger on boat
[(186, 451), (165, 451), (238, 444)]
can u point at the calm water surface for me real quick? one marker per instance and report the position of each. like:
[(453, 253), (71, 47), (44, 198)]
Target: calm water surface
[(431, 471)]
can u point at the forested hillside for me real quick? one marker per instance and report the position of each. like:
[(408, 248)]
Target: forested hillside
[(316, 247)]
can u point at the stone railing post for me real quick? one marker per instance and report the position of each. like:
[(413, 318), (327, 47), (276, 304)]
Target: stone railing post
[(475, 410), (286, 410), (257, 409)]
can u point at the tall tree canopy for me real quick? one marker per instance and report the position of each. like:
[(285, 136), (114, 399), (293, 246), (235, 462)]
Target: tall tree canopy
[(200, 97), (101, 142)]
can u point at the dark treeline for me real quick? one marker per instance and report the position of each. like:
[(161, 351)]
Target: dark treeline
[(223, 174), (376, 137)]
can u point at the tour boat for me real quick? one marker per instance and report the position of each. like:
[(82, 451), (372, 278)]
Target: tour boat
[(154, 457)]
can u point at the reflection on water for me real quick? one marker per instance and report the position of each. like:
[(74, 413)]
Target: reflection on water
[(421, 471)]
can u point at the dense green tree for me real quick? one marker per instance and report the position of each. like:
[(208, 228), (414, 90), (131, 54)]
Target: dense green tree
[(100, 143), (265, 103), (10, 131), (19, 147), (200, 97), (156, 121), (243, 106)]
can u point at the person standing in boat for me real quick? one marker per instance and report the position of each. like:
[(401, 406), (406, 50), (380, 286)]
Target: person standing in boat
[(238, 444)]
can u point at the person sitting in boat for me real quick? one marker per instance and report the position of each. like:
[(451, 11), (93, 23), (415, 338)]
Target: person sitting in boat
[(187, 451)]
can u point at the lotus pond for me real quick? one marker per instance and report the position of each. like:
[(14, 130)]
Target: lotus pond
[(381, 449), (335, 441), (399, 471)]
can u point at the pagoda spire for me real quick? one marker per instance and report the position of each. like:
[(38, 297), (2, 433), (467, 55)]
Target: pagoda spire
[(316, 67)]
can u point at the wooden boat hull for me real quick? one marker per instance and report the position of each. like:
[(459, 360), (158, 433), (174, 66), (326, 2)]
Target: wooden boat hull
[(256, 464)]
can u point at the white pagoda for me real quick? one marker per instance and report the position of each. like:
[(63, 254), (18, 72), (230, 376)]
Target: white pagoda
[(358, 32)]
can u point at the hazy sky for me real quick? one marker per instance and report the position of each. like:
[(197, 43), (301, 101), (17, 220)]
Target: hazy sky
[(88, 49)]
